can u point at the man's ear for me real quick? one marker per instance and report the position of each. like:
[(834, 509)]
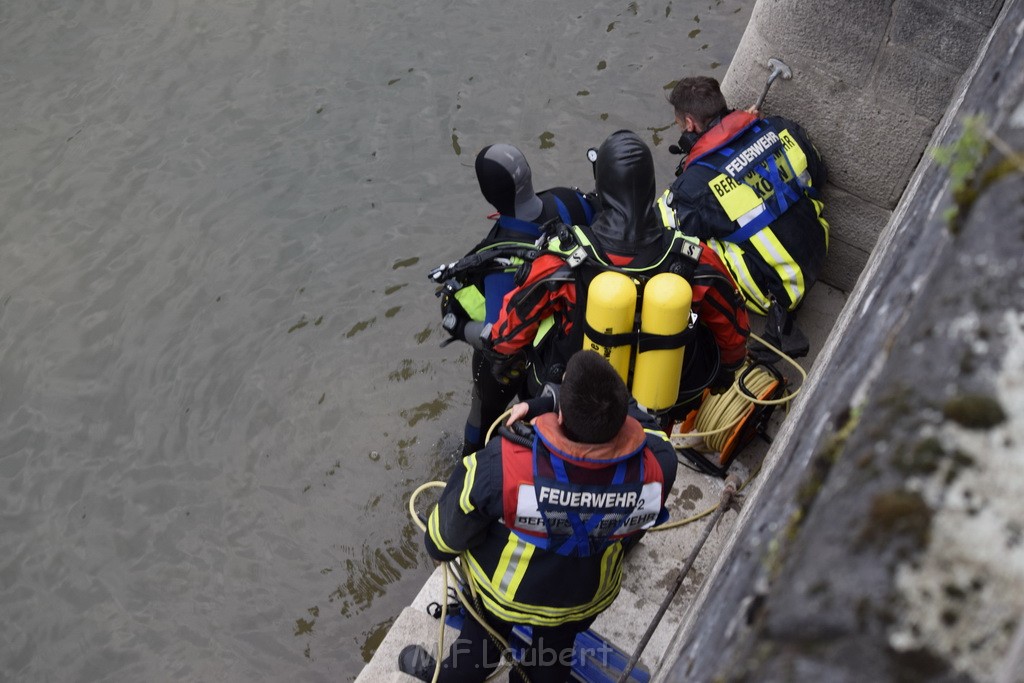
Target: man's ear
[(691, 124), (561, 420)]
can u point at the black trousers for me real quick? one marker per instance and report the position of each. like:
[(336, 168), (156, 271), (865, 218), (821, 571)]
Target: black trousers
[(490, 399), (474, 655)]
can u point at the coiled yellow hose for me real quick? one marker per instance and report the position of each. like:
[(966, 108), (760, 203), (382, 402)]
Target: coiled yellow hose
[(720, 414)]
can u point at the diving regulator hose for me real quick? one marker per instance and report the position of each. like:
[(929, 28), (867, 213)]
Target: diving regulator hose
[(718, 416)]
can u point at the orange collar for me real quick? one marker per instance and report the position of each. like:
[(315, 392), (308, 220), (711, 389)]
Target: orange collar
[(731, 126), (630, 439)]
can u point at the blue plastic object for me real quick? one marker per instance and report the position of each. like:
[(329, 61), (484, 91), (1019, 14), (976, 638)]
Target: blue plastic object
[(595, 660)]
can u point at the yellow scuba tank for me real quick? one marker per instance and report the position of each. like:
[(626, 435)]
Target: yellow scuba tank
[(611, 308), (665, 311)]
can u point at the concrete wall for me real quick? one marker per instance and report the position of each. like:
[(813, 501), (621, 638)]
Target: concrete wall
[(882, 545), (871, 79)]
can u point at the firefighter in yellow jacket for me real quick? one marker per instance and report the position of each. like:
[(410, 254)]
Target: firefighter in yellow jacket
[(750, 188), (540, 521)]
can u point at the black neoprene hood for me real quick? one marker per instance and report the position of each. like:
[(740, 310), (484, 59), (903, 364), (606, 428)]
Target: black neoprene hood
[(625, 181), (507, 182)]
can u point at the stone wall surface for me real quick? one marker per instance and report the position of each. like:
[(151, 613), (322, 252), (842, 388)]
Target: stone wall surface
[(870, 81), (888, 545)]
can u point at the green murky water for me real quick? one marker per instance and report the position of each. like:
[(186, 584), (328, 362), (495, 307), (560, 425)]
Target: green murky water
[(220, 373)]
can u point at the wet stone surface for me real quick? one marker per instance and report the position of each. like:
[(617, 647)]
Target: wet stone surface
[(907, 562)]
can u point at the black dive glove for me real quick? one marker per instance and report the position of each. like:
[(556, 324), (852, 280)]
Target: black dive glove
[(780, 331), (724, 378), (453, 315), (506, 369)]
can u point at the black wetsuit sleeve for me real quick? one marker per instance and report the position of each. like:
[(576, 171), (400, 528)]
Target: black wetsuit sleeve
[(539, 406), (470, 503)]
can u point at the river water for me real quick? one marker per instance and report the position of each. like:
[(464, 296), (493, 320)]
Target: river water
[(220, 373)]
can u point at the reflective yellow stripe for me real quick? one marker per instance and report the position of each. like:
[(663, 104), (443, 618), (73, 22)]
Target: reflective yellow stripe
[(818, 206), (611, 565), (785, 266), (515, 558), (434, 529), (467, 483), (658, 433), (732, 255), (525, 613)]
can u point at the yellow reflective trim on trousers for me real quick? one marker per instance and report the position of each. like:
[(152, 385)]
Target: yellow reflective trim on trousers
[(732, 255), (526, 613), (515, 558), (467, 483), (611, 564), (818, 206), (785, 266), (434, 529)]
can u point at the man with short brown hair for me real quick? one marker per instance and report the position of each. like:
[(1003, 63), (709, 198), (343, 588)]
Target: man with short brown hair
[(750, 188)]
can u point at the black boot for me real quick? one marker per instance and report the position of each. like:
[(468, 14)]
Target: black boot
[(780, 331), (417, 662)]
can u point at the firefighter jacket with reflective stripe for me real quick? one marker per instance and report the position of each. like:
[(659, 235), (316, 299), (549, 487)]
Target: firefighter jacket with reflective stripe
[(750, 191), (554, 293), (491, 513)]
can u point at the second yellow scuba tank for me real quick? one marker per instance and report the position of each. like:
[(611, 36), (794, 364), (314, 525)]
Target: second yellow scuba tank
[(665, 312), (611, 308)]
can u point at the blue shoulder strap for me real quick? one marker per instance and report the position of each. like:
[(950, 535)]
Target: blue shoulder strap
[(519, 225), (563, 210), (581, 530)]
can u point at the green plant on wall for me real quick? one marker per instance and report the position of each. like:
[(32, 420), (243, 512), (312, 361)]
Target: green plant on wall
[(964, 159)]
